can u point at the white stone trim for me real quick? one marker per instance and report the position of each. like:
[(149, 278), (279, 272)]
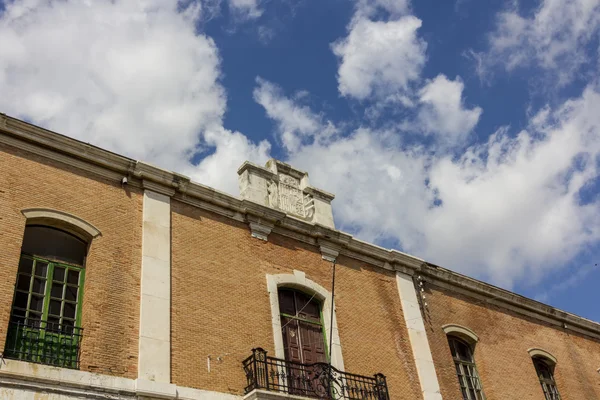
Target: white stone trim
[(417, 335), (537, 352), (298, 280), (60, 218), (26, 380), (154, 357), (461, 331)]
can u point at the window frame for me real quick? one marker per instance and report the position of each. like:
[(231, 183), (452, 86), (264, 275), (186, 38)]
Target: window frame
[(466, 370), (549, 387), (319, 323), (47, 294)]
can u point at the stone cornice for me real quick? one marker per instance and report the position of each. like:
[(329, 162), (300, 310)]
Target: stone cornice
[(287, 169), (114, 167), (262, 171), (490, 294), (319, 193)]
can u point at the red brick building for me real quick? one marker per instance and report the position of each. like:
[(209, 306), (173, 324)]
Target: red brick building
[(122, 280)]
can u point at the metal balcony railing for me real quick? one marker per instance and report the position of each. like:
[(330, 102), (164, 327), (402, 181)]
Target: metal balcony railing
[(43, 342), (319, 380)]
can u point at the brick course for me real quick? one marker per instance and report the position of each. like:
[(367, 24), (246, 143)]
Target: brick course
[(503, 362), (221, 305), (110, 312)]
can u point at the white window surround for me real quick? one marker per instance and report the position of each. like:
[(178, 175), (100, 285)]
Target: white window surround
[(61, 219), (537, 352), (299, 281), (462, 332)]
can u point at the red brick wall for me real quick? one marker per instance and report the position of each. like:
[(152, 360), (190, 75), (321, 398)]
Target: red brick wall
[(501, 354), (110, 312), (221, 304)]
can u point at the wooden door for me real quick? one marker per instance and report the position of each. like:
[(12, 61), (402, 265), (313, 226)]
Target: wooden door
[(303, 339)]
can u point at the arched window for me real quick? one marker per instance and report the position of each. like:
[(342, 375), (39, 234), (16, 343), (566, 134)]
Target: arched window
[(45, 324), (301, 327), (319, 301), (468, 378), (544, 367)]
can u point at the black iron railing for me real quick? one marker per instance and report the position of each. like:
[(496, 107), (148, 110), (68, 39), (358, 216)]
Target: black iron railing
[(44, 343), (319, 380)]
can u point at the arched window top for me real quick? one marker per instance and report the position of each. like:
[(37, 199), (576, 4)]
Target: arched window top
[(461, 350), (63, 221), (462, 332), (540, 353), (298, 281), (53, 244)]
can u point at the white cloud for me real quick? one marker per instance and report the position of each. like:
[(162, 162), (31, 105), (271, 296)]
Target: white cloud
[(379, 58), (442, 110), (395, 8), (554, 37), (295, 123), (131, 76), (246, 9), (507, 209)]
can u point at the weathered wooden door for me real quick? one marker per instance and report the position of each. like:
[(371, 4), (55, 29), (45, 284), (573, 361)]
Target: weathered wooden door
[(303, 338)]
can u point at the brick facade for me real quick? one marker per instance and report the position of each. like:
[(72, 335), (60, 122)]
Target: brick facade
[(110, 313), (221, 307), (504, 365)]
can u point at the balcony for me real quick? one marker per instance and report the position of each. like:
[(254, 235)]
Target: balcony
[(319, 380), (43, 342)]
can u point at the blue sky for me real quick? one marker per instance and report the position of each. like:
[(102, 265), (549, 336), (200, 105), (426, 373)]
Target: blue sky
[(466, 133)]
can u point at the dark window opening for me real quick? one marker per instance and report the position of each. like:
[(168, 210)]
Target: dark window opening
[(545, 371), (54, 244)]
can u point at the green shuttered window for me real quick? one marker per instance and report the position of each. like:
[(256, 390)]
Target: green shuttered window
[(45, 323)]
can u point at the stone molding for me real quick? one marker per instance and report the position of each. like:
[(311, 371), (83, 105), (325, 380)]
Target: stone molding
[(260, 230), (22, 377), (299, 280), (461, 331), (60, 219), (261, 171), (113, 167), (537, 352), (322, 194), (329, 250)]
